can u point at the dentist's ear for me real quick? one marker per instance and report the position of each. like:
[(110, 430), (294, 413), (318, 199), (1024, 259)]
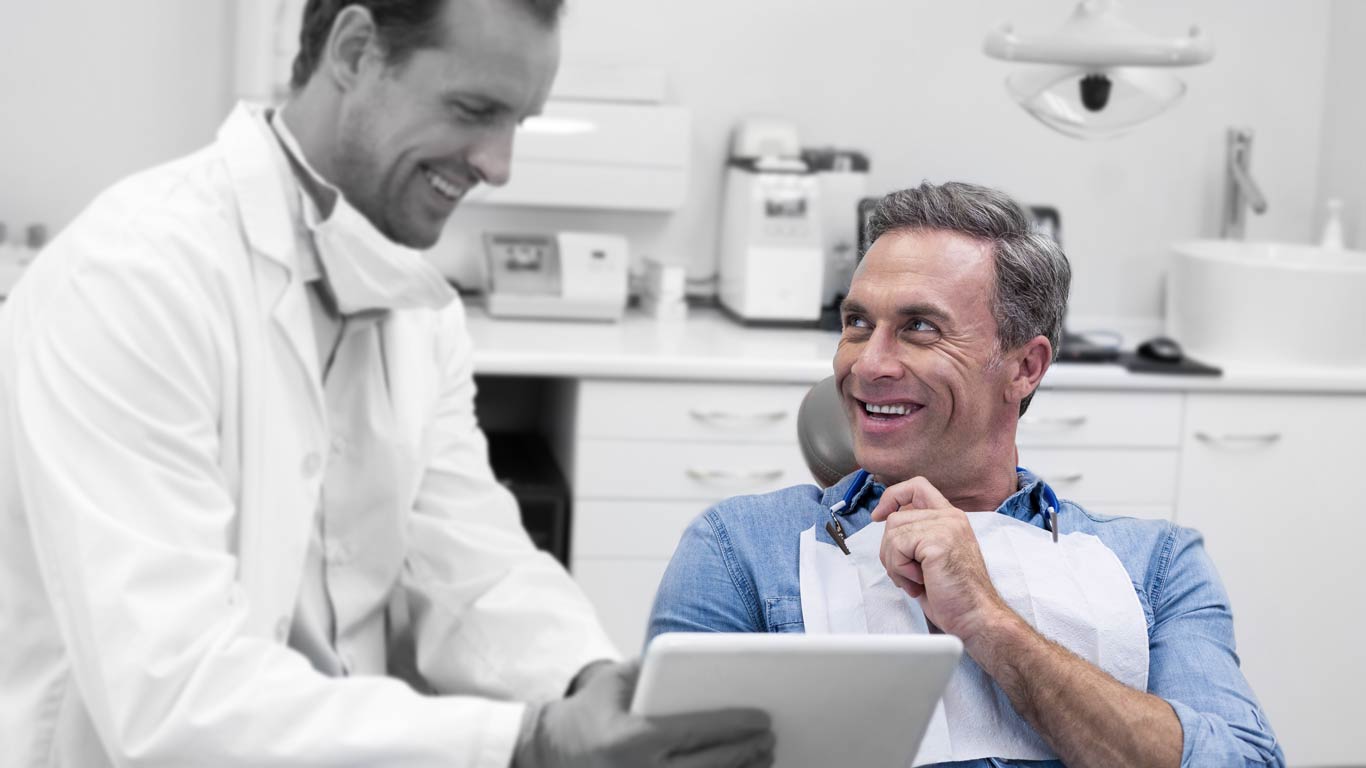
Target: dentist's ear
[(1028, 364), (352, 39)]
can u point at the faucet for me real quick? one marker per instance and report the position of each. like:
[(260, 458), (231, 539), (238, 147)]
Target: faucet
[(1240, 191)]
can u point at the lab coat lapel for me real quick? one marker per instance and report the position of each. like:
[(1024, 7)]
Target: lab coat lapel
[(277, 501), (254, 162)]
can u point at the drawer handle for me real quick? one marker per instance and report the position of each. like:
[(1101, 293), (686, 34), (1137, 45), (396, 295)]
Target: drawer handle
[(1261, 438), (731, 477), (1065, 422), (1075, 477), (732, 420)]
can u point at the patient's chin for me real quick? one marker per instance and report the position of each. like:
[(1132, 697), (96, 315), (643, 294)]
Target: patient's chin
[(885, 470)]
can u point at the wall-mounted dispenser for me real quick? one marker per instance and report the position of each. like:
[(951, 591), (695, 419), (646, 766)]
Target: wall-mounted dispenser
[(605, 140)]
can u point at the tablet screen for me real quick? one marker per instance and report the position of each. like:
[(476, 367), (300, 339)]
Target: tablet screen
[(861, 700)]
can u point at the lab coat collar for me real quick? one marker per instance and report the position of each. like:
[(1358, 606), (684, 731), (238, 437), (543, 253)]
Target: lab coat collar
[(259, 172), (253, 158)]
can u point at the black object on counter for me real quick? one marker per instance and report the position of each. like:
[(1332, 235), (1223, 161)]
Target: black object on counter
[(1160, 349), (523, 464), (1074, 348), (1184, 366)]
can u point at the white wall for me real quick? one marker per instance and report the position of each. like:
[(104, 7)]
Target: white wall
[(92, 90), (905, 80), (96, 89), (1344, 121)]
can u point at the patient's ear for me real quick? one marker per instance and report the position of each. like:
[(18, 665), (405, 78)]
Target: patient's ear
[(1027, 365)]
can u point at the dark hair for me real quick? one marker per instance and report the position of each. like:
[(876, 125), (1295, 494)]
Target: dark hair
[(404, 26), (1032, 273)]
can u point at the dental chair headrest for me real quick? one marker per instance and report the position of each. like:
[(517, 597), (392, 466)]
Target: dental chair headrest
[(823, 433)]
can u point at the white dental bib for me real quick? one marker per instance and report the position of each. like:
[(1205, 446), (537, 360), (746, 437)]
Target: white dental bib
[(1074, 592)]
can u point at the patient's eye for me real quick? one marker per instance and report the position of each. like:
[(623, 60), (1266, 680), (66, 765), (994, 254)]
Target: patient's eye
[(922, 330), (852, 320)]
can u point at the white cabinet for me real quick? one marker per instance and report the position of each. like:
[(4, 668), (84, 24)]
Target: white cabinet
[(1113, 452), (1276, 483), (650, 456)]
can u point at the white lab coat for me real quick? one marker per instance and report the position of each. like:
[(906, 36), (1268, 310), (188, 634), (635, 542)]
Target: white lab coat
[(161, 441)]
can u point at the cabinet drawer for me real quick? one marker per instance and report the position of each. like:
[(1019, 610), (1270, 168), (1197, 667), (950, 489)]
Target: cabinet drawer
[(622, 592), (723, 412), (1065, 418), (643, 528), (639, 469), (1099, 477)]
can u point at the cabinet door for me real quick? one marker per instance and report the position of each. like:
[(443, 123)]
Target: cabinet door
[(1276, 484), (1093, 446), (1102, 479), (623, 592)]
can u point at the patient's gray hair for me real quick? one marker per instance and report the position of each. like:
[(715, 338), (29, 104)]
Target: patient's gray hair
[(1032, 273)]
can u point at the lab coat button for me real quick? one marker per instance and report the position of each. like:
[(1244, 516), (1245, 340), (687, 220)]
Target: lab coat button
[(312, 463), (336, 553), (282, 629)]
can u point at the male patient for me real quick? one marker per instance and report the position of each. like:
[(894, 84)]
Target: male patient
[(952, 318)]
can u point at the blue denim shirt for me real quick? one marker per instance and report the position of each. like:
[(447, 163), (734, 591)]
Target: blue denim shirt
[(736, 570)]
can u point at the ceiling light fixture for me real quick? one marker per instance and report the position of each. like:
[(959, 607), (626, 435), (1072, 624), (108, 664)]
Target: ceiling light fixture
[(1106, 75)]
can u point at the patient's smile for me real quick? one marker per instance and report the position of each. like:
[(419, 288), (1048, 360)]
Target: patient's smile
[(886, 417)]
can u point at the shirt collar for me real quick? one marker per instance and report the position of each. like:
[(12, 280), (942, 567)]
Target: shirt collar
[(1027, 504)]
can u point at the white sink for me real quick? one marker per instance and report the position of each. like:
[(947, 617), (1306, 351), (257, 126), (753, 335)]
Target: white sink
[(1268, 304)]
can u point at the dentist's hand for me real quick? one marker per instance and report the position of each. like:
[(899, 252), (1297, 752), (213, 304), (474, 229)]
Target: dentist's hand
[(592, 728), (931, 552)]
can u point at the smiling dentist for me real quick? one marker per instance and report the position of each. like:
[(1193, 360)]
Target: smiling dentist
[(248, 517)]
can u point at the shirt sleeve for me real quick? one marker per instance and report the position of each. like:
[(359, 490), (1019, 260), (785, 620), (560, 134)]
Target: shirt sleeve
[(704, 589), (1194, 664), (490, 612)]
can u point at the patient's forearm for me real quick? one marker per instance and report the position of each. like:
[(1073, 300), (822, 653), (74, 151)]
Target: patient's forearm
[(1086, 716)]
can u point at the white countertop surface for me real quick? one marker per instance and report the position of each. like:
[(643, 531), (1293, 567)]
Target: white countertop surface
[(710, 346)]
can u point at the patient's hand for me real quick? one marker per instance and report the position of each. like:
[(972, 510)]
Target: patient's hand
[(930, 551)]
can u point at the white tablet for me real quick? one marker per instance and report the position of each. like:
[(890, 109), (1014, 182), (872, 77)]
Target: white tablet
[(861, 700)]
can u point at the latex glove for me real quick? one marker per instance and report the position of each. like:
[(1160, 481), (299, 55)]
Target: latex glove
[(593, 729)]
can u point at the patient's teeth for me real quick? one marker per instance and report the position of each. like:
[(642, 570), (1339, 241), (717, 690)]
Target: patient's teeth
[(897, 408)]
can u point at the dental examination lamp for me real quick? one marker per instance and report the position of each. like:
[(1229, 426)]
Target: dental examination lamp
[(1098, 75)]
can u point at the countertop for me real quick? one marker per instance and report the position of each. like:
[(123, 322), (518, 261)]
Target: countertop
[(710, 346)]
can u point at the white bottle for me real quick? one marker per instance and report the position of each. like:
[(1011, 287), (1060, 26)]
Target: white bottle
[(1332, 227)]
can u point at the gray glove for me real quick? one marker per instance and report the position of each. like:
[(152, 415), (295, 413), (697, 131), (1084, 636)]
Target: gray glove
[(592, 729)]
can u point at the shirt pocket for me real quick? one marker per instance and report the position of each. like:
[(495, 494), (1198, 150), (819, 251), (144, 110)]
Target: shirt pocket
[(783, 614)]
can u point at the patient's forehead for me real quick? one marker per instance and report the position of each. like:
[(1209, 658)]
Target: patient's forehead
[(939, 266)]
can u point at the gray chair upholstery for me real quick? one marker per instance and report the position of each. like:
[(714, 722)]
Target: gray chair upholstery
[(823, 433)]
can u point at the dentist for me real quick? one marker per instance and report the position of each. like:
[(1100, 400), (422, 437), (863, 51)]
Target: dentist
[(248, 517)]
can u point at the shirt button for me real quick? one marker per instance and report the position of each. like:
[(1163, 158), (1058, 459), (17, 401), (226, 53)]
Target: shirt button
[(282, 629), (311, 464)]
